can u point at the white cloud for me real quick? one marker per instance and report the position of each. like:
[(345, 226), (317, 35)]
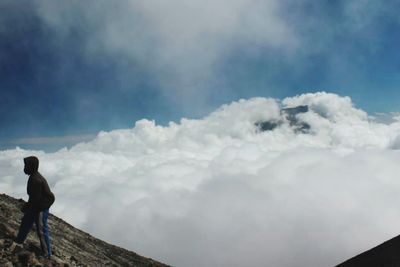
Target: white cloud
[(217, 192)]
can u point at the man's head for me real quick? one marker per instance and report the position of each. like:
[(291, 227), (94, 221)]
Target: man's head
[(31, 165)]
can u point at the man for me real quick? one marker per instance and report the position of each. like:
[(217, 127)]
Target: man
[(36, 210)]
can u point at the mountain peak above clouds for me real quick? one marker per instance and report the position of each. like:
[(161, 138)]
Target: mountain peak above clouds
[(314, 119), (329, 119), (289, 115)]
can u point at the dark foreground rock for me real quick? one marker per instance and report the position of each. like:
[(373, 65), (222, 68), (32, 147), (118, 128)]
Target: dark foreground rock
[(384, 255), (71, 246)]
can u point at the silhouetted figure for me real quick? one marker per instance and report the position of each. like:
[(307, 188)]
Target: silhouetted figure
[(36, 210)]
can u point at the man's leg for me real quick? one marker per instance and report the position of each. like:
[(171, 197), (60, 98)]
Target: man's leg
[(46, 231), (42, 230), (25, 226)]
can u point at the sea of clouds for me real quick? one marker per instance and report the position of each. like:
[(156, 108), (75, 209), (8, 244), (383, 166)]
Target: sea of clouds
[(219, 192)]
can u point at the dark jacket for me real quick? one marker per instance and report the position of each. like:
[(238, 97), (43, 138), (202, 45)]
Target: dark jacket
[(40, 195)]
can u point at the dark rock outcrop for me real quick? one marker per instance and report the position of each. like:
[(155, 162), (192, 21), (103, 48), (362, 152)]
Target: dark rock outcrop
[(290, 115), (267, 125), (71, 246), (384, 255)]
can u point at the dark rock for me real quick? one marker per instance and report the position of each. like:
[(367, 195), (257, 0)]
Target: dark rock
[(72, 258), (7, 231), (295, 110), (290, 115), (384, 255), (302, 127), (26, 258), (6, 263), (267, 125)]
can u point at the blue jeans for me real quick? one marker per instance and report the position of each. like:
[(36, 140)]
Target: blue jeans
[(42, 229)]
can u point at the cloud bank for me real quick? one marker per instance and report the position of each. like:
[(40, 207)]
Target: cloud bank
[(219, 192)]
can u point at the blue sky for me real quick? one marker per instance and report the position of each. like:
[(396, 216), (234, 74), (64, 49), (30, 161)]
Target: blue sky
[(71, 69)]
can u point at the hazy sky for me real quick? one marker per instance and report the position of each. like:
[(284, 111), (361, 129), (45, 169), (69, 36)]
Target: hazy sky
[(70, 69)]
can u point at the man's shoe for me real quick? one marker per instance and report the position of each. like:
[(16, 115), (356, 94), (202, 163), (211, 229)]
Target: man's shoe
[(14, 246)]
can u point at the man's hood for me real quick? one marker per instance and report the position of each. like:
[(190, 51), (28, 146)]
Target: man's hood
[(31, 165)]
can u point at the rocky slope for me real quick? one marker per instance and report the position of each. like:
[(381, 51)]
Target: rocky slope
[(384, 255), (71, 247)]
